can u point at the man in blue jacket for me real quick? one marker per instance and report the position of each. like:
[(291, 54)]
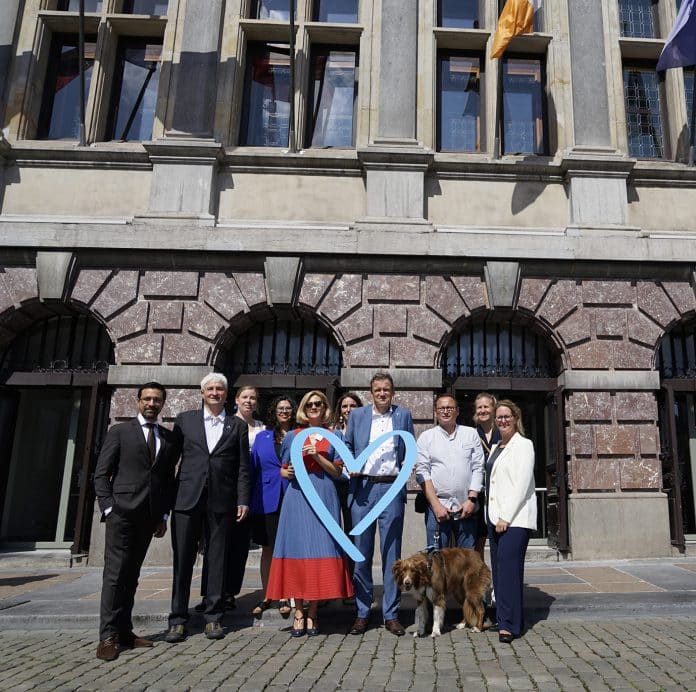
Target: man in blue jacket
[(365, 425)]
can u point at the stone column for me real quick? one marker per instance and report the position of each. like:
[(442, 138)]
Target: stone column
[(184, 162), (395, 163), (596, 173), (7, 30)]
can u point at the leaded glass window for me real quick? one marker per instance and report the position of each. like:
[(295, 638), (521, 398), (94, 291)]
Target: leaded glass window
[(644, 117), (638, 18), (523, 106), (459, 102)]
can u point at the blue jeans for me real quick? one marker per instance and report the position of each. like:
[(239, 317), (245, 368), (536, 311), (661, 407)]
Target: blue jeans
[(391, 525), (460, 533)]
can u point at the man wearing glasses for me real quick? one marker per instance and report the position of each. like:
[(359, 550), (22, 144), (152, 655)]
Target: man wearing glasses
[(450, 472)]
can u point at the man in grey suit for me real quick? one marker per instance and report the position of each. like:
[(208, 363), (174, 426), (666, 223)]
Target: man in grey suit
[(212, 493), (134, 484), (365, 425)]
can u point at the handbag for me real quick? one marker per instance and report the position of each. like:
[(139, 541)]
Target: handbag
[(420, 504)]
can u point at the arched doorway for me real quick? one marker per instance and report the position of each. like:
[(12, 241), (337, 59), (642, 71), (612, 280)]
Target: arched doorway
[(285, 353), (508, 357), (676, 363), (53, 416)]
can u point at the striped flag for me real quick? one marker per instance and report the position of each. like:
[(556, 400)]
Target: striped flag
[(680, 47), (516, 18)]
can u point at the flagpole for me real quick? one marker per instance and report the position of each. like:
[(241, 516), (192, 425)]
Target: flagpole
[(292, 143), (81, 64), (497, 145)]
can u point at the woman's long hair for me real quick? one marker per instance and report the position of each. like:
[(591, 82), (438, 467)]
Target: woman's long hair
[(338, 421), (301, 417), (272, 419), (516, 412)]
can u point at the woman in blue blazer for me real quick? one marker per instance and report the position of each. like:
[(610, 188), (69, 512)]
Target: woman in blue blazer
[(268, 488)]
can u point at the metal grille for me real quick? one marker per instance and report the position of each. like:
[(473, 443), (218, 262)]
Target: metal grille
[(676, 357), (637, 18), (64, 343), (498, 349), (644, 121), (287, 347), (689, 91)]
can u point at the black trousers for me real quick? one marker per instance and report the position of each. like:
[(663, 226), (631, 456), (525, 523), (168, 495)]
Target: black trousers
[(186, 532), (127, 539), (238, 538)]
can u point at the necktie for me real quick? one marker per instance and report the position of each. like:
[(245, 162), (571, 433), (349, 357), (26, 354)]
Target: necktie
[(151, 441)]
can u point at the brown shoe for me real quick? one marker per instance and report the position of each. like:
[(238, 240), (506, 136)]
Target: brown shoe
[(359, 626), (395, 627), (107, 649), (131, 640), (213, 630)]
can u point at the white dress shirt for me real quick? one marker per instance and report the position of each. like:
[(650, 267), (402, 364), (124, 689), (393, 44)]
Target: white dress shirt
[(382, 462), (143, 426), (213, 427)]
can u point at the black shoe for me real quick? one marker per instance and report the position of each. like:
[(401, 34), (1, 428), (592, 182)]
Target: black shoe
[(213, 630), (200, 607), (230, 603), (175, 634), (359, 626), (505, 637), (493, 627)]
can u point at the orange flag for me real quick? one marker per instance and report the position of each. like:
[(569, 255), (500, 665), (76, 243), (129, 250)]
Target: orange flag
[(516, 18)]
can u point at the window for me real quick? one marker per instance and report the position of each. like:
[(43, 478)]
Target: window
[(333, 90), (638, 18), (689, 91), (74, 5), (266, 110), (272, 9), (461, 14), (459, 102), (524, 127), (136, 78), (149, 7), (644, 111), (337, 11), (60, 113)]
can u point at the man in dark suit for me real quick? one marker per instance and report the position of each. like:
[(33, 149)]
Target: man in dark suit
[(134, 484), (365, 425), (212, 493)]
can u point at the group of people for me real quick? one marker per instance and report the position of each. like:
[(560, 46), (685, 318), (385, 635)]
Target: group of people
[(226, 477)]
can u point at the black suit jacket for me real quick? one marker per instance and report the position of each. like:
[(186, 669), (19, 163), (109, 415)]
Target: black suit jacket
[(124, 478), (226, 468)]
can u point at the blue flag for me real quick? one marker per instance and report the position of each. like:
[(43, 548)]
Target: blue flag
[(680, 48)]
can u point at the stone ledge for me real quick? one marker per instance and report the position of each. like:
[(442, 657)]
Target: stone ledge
[(168, 375), (609, 379), (404, 378)]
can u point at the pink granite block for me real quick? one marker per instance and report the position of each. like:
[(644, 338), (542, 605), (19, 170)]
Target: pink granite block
[(179, 400), (610, 322), (608, 293), (682, 295), (5, 298), (424, 324), (581, 440), (369, 353), (616, 439), (124, 404), (649, 441), (166, 316), (409, 352), (146, 348), (559, 301), (443, 298), (531, 293), (202, 321), (358, 325), (222, 294), (592, 355), (635, 406), (344, 295), (640, 474), (472, 289), (642, 329), (131, 321), (383, 287), (594, 406), (21, 283), (185, 349), (575, 328), (595, 474), (630, 356), (419, 403), (653, 301), (253, 287), (314, 288), (170, 284), (391, 319), (88, 283), (120, 291)]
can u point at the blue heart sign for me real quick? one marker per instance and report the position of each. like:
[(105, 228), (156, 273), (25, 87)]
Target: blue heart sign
[(353, 465)]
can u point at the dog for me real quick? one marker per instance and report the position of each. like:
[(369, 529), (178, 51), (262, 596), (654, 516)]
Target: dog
[(457, 572)]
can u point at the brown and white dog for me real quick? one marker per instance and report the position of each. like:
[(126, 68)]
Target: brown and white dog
[(456, 572)]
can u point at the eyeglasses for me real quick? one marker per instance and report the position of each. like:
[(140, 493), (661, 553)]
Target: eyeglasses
[(314, 404), (446, 409), (502, 419), (283, 410)]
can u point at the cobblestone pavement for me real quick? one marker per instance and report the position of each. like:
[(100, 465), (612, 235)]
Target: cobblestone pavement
[(569, 654)]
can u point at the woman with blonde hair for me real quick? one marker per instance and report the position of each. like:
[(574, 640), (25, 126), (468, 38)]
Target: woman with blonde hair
[(511, 514), (307, 562), (484, 411)]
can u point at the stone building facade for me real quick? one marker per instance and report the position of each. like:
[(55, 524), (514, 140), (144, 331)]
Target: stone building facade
[(562, 277)]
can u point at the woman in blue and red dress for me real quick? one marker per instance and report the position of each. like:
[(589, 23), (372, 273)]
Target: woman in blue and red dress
[(307, 562)]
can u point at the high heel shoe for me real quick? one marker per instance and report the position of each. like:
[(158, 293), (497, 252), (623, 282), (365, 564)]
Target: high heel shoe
[(505, 637), (298, 631), (312, 631)]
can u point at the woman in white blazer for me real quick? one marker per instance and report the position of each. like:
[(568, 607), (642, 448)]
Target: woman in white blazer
[(511, 514)]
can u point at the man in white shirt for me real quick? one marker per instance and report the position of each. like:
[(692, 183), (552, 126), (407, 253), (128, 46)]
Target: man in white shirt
[(450, 471)]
